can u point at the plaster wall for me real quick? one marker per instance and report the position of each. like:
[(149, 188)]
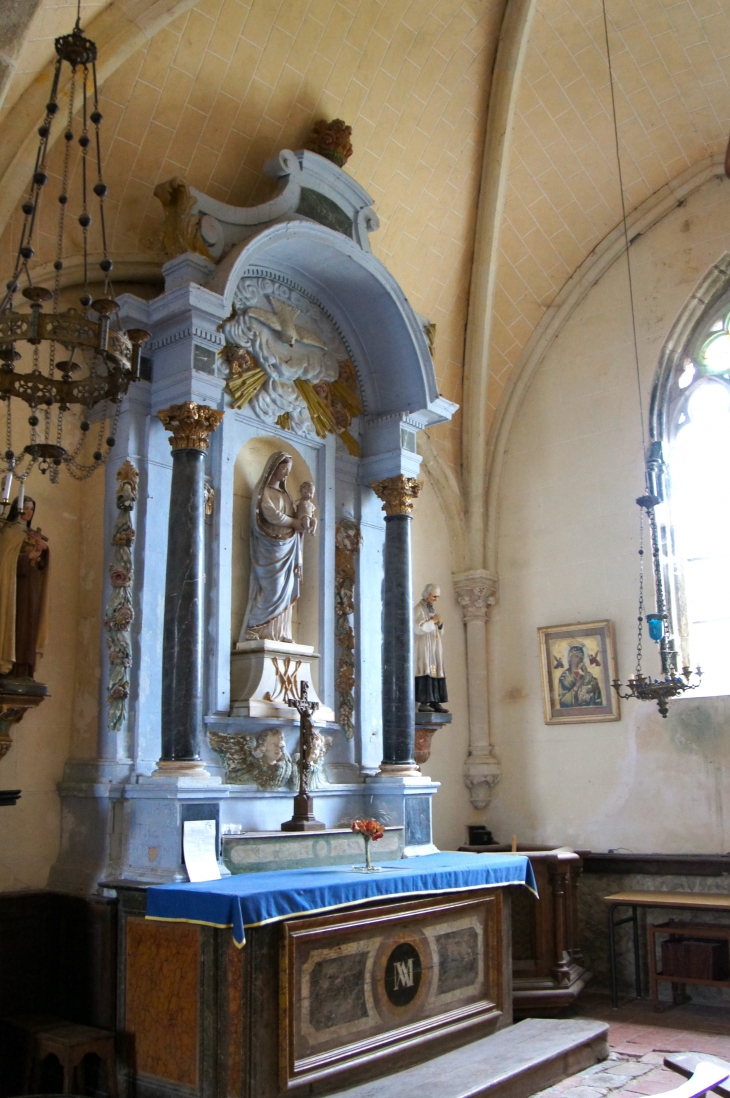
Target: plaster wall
[(71, 516), (568, 540)]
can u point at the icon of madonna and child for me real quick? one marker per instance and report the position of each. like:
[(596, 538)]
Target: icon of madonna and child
[(278, 525), (578, 665)]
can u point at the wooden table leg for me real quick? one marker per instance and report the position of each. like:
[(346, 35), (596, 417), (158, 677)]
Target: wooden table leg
[(612, 924), (612, 955), (111, 1074), (653, 981), (637, 952), (68, 1074)]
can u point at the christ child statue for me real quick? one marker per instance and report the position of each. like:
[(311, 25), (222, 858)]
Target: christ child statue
[(305, 508)]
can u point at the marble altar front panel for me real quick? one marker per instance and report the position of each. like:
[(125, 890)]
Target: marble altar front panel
[(356, 985)]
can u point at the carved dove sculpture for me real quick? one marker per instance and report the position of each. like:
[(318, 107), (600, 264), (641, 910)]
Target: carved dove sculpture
[(281, 320)]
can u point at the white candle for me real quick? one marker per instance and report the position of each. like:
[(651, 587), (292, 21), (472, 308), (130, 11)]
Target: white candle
[(7, 487), (21, 496)]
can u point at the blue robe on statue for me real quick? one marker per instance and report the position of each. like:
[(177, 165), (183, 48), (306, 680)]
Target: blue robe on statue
[(276, 560)]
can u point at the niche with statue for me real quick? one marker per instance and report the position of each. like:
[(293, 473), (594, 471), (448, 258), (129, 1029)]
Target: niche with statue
[(275, 581)]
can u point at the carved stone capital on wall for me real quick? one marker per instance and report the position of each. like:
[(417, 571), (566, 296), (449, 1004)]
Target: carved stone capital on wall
[(190, 424), (397, 493), (482, 771), (476, 592)]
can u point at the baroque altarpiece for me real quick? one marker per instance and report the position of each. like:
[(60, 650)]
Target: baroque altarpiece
[(284, 361)]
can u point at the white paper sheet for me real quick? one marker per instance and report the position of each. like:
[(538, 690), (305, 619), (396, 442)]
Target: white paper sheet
[(199, 850)]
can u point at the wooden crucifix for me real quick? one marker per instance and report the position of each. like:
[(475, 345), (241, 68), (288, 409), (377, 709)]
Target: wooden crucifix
[(304, 818)]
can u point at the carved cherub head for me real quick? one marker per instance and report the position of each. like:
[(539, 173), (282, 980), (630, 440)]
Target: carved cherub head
[(306, 490), (261, 760), (270, 746)]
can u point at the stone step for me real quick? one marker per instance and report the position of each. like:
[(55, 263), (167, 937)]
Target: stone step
[(514, 1063)]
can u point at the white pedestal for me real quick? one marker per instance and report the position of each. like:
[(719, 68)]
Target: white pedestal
[(265, 673)]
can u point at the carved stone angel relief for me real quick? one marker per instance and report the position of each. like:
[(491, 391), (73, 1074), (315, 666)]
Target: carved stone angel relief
[(264, 761), (261, 760), (288, 364)]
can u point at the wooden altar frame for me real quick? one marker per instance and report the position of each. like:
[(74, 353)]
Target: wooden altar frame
[(199, 1018), (379, 931)]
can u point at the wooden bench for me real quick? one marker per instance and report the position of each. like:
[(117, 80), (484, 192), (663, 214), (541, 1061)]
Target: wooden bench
[(683, 901)]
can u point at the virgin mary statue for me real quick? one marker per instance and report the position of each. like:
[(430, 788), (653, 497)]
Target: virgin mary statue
[(276, 556)]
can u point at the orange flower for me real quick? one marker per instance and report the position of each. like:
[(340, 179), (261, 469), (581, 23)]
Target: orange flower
[(369, 829)]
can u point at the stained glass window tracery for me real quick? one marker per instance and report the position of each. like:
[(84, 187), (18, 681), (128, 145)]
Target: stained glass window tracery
[(698, 458)]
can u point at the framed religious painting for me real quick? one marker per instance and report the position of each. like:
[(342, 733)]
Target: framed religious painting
[(578, 665)]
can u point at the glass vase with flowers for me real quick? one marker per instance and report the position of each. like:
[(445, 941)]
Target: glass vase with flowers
[(371, 831)]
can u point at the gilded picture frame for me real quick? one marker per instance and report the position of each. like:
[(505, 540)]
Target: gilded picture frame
[(578, 664)]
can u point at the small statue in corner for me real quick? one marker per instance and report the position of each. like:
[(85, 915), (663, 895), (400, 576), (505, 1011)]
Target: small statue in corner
[(24, 560), (428, 627)]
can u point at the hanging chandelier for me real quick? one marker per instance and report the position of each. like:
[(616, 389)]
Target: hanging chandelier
[(672, 684), (53, 360)]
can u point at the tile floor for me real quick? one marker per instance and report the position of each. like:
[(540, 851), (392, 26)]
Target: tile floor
[(639, 1039)]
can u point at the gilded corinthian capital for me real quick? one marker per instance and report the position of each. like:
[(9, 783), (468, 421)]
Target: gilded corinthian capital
[(397, 494), (190, 424)]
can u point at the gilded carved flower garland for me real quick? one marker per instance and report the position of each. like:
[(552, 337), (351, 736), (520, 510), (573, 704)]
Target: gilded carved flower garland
[(347, 546), (119, 610)]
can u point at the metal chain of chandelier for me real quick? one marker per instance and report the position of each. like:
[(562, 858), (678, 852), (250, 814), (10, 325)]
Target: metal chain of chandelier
[(672, 685), (640, 686), (53, 360)]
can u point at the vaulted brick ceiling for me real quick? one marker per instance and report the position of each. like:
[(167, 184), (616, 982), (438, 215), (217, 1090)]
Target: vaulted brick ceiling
[(671, 66), (228, 83)]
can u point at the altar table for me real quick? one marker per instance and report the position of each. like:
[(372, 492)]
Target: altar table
[(253, 899), (344, 976)]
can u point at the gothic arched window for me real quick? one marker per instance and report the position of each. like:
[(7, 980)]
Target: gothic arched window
[(694, 428)]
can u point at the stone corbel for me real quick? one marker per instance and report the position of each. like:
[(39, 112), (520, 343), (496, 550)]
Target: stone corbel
[(13, 707), (476, 594)]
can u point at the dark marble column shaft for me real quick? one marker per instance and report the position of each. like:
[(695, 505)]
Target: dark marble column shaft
[(182, 644), (190, 425), (399, 699)]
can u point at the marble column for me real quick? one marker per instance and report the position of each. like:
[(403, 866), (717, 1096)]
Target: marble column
[(190, 425), (475, 592), (399, 699)]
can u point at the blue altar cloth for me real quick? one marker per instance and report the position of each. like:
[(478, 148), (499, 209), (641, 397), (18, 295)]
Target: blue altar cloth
[(250, 899)]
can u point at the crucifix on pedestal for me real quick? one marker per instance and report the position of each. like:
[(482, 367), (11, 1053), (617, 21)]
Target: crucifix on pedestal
[(304, 818)]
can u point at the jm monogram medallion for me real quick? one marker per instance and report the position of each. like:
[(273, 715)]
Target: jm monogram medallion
[(403, 971)]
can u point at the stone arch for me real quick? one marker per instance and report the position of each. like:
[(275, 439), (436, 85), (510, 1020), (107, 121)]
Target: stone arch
[(365, 304), (710, 290), (611, 248)]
